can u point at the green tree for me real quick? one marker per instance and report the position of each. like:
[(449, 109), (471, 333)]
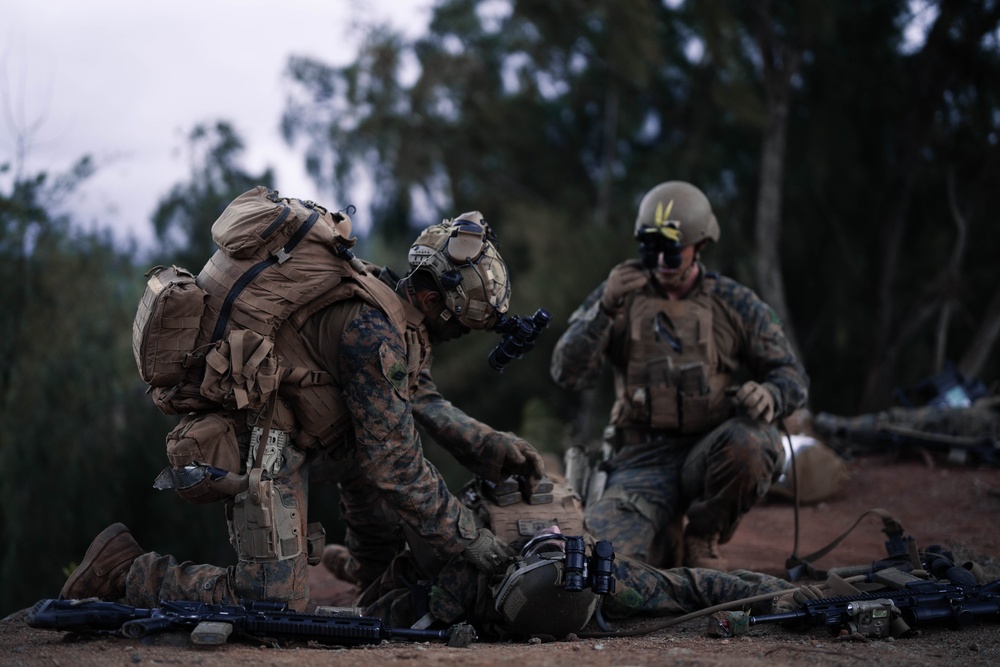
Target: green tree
[(183, 218), (68, 398), (824, 137), (893, 272), (81, 441)]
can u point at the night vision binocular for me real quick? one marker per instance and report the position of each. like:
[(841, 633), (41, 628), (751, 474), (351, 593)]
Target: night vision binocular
[(580, 571), (519, 335), (664, 238)]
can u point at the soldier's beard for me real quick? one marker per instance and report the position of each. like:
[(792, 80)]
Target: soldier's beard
[(674, 279)]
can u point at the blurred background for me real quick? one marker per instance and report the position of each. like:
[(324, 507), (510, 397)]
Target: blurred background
[(850, 150)]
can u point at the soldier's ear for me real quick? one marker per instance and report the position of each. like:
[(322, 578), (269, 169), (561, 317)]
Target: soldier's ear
[(428, 300)]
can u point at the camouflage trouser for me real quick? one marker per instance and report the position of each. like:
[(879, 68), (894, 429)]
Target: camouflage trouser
[(971, 422), (154, 577), (373, 531), (461, 592), (714, 482), (644, 590)]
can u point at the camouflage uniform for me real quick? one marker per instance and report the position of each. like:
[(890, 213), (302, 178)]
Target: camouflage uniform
[(386, 485), (374, 530), (713, 471), (462, 593), (981, 420), (382, 459)]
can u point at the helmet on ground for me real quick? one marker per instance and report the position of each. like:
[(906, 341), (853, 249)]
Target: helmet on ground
[(462, 258), (673, 206)]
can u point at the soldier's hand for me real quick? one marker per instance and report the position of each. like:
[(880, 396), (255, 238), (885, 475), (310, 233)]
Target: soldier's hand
[(488, 552), (757, 401), (524, 460), (623, 279), (808, 593)]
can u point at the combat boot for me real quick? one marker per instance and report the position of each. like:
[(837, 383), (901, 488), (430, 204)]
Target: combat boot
[(101, 573), (703, 551)]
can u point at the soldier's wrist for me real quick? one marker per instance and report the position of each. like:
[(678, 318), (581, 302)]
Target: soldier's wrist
[(776, 395)]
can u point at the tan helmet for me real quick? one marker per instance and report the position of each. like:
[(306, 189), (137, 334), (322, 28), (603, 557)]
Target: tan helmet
[(461, 256), (680, 203)]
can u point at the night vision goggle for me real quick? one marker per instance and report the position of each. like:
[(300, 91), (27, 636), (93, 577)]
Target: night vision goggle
[(664, 237)]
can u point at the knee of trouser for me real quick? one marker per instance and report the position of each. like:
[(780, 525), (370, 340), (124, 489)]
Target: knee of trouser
[(751, 442), (620, 505)]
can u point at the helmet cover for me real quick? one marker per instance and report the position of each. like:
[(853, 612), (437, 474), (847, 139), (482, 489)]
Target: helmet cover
[(533, 599), (462, 258), (679, 211)]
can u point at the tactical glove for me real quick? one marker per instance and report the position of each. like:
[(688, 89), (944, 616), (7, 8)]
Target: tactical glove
[(808, 593), (757, 401), (623, 279), (793, 599), (488, 552), (524, 460)]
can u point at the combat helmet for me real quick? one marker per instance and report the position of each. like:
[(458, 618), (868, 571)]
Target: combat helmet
[(461, 256), (553, 588), (679, 203)]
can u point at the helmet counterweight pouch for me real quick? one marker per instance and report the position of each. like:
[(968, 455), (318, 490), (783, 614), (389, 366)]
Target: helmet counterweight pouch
[(165, 329)]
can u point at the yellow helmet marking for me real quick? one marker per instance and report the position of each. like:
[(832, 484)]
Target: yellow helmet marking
[(669, 228)]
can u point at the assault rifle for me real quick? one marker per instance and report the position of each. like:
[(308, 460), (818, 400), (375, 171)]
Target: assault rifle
[(212, 624), (871, 614)]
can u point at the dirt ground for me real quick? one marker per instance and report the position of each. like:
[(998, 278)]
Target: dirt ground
[(955, 507)]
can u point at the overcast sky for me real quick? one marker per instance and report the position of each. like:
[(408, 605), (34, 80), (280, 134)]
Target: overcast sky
[(126, 80)]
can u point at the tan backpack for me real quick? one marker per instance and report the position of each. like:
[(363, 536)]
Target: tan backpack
[(223, 350), (206, 345), (208, 342)]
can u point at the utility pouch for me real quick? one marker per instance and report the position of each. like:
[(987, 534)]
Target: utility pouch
[(241, 371), (166, 324), (315, 542), (695, 398), (204, 440), (663, 408), (264, 529), (207, 438)]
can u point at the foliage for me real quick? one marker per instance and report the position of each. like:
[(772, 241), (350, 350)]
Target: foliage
[(183, 219), (77, 447), (554, 118)]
